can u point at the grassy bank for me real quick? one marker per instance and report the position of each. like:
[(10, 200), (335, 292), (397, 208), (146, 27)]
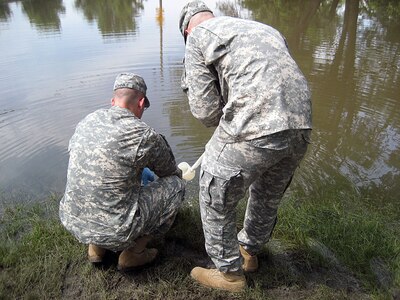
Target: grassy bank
[(334, 246)]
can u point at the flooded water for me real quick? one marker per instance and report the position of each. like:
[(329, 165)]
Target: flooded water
[(59, 59)]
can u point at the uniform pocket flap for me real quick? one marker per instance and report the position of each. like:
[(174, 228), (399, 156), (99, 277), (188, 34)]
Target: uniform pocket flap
[(220, 170)]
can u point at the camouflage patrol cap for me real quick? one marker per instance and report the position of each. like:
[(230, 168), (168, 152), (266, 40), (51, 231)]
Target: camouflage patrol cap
[(188, 11), (132, 81)]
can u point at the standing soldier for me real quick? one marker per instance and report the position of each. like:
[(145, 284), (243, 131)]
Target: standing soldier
[(240, 77)]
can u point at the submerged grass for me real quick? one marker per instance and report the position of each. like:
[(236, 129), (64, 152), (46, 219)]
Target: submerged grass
[(333, 246)]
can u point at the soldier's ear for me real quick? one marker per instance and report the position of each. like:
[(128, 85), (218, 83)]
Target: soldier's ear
[(142, 103), (112, 102)]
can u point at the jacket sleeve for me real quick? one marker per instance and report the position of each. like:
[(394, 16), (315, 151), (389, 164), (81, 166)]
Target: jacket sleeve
[(200, 82), (155, 153)]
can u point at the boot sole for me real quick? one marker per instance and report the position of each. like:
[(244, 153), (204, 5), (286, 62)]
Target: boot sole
[(230, 287), (134, 268), (235, 289), (95, 259), (128, 269), (137, 266)]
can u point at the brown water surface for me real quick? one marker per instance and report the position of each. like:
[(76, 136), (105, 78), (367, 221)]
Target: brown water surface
[(59, 59)]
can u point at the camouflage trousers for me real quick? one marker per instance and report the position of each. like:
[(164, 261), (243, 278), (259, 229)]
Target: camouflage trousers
[(264, 167), (159, 202)]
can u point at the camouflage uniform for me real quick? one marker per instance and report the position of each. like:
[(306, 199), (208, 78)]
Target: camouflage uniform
[(240, 77), (104, 203)]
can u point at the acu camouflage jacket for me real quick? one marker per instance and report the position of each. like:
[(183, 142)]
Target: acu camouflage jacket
[(240, 76), (108, 152)]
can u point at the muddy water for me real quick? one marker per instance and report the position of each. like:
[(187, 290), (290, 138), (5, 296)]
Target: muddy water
[(59, 59)]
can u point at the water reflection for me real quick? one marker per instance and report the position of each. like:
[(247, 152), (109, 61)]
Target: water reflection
[(5, 11), (348, 63), (114, 18), (348, 50), (229, 8), (294, 17), (44, 14), (160, 22), (387, 11)]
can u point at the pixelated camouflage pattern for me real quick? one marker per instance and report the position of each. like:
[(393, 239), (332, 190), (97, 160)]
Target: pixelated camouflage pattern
[(240, 76), (131, 81), (104, 203), (264, 167), (188, 11)]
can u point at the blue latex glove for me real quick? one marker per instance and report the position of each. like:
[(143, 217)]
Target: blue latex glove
[(147, 176)]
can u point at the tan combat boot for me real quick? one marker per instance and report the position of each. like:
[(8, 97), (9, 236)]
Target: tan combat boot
[(129, 258), (233, 282), (250, 262), (95, 253), (138, 255)]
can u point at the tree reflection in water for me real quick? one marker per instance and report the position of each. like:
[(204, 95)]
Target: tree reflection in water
[(114, 18), (44, 14), (5, 11)]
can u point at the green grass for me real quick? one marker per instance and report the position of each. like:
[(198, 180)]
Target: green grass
[(33, 250), (357, 237), (333, 245)]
